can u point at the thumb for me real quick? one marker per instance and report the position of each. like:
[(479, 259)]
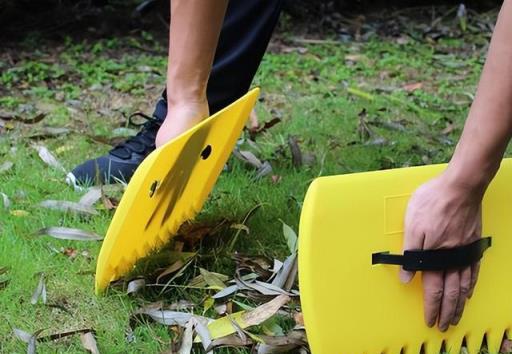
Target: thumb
[(413, 240), (406, 276)]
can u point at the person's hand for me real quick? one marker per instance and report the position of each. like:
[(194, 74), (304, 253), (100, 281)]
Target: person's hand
[(442, 214), (181, 117)]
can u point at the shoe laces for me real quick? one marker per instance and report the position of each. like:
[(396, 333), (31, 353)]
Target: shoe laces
[(141, 143)]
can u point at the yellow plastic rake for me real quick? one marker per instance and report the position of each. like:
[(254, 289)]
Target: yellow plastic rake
[(353, 307), (169, 188)]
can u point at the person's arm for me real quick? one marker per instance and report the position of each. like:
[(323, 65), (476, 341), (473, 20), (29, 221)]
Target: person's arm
[(194, 33), (445, 212)]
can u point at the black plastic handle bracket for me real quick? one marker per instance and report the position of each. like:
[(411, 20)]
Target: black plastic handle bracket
[(436, 260)]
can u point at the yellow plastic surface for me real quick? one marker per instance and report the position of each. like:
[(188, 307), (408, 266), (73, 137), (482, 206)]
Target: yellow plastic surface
[(352, 307), (169, 188)]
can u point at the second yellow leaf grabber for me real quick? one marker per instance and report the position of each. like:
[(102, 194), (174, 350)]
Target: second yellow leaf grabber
[(351, 233), (169, 188)]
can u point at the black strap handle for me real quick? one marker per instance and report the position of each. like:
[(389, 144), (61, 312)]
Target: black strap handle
[(436, 260)]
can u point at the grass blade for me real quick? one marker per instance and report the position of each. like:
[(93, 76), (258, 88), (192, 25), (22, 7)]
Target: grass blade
[(291, 237)]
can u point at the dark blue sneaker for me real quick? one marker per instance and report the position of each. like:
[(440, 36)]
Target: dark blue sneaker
[(119, 164)]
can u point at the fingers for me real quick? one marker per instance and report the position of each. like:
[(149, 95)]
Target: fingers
[(475, 269), (465, 284), (450, 297), (433, 286)]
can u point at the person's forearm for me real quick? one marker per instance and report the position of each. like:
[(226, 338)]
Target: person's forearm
[(194, 33), (489, 125)]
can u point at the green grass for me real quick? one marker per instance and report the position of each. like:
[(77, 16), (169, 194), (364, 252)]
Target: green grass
[(88, 87)]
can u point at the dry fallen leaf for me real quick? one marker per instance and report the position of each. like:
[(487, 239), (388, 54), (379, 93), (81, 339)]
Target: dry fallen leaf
[(135, 286), (287, 274), (254, 132), (211, 279), (65, 233), (266, 344), (253, 121), (19, 213), (109, 203), (32, 120), (450, 127), (179, 260), (282, 344), (67, 206), (264, 312), (226, 292), (70, 252), (22, 335), (48, 157), (223, 326), (188, 340), (6, 166), (91, 197), (276, 179), (40, 291), (264, 170), (200, 281), (49, 132), (413, 87), (28, 338), (233, 340), (168, 317), (299, 318), (89, 342), (293, 143), (5, 200), (353, 57), (249, 158)]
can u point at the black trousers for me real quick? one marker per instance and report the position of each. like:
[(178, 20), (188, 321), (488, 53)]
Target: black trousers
[(246, 31)]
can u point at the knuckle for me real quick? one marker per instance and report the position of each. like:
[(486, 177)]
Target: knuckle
[(434, 294), (452, 294), (464, 289)]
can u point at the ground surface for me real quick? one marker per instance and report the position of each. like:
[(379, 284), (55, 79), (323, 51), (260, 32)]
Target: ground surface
[(352, 103)]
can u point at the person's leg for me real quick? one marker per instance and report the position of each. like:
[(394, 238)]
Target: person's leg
[(246, 31), (245, 34), (193, 37)]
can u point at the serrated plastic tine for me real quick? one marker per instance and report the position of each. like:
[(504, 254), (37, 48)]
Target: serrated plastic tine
[(413, 348), (474, 343), (453, 344), (494, 339), (433, 346), (395, 350)]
